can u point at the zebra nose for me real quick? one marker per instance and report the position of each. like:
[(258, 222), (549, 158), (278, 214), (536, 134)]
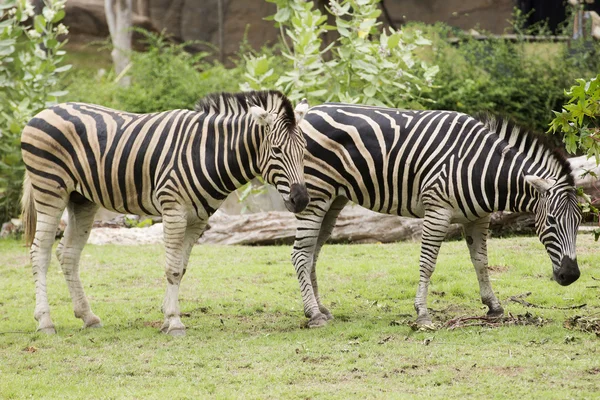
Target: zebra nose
[(298, 197), (568, 272)]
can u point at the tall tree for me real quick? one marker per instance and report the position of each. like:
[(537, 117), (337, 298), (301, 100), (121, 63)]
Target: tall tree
[(119, 17)]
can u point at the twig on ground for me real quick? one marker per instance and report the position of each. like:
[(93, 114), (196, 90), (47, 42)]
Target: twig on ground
[(495, 322), (519, 299)]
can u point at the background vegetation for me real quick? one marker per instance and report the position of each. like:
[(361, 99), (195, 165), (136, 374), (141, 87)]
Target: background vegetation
[(246, 335), (421, 66), (31, 64)]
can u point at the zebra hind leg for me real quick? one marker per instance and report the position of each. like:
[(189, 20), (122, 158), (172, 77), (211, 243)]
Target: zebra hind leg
[(48, 217), (476, 236), (326, 228), (81, 218), (435, 226)]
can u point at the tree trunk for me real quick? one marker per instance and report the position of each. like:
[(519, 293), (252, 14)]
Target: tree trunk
[(119, 19)]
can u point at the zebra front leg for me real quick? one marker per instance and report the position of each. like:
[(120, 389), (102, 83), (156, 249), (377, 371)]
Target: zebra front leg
[(476, 236), (174, 226), (192, 233), (81, 218), (307, 233), (435, 226), (325, 232)]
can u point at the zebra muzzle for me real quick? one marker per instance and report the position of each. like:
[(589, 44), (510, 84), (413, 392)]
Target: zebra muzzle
[(568, 272), (298, 198)]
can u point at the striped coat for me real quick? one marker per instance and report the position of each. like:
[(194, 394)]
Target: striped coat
[(179, 164), (442, 166)]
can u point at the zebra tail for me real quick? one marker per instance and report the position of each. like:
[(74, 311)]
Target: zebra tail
[(29, 214)]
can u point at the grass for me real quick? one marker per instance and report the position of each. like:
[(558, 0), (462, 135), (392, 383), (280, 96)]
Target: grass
[(246, 335)]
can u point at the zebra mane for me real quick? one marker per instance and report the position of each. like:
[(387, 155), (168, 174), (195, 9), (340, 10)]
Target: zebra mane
[(233, 103), (523, 140)]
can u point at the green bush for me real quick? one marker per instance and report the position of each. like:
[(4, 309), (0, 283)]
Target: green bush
[(30, 67), (578, 120), (365, 64), (517, 79), (163, 77)]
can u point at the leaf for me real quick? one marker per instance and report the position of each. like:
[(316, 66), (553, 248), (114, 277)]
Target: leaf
[(370, 91), (318, 93), (393, 40), (51, 43), (39, 23), (282, 15), (60, 14), (58, 93), (64, 68)]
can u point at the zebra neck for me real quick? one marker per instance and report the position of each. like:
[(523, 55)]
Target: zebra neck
[(228, 147), (511, 192)]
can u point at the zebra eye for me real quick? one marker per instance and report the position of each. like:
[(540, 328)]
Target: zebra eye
[(551, 220), (277, 151)]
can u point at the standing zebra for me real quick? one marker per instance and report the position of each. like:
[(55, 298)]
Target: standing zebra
[(180, 164), (442, 166)]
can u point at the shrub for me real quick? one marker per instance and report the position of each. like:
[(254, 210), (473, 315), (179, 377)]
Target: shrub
[(518, 79), (30, 66), (163, 77), (363, 65), (578, 120)]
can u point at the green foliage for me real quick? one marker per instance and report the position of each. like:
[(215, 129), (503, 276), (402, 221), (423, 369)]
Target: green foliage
[(518, 79), (579, 124), (30, 67), (135, 222), (578, 120), (243, 310), (363, 65), (163, 77)]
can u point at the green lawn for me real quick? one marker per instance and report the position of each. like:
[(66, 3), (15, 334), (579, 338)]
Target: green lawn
[(246, 336)]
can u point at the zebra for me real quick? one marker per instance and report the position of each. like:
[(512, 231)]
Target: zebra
[(178, 164), (443, 166)]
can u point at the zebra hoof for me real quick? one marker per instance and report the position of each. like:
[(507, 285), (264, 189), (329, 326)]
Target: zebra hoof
[(176, 332), (327, 314), (317, 321), (49, 330), (423, 324), (94, 325), (495, 313)]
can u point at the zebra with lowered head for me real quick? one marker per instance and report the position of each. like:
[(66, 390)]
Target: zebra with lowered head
[(179, 164), (442, 166)]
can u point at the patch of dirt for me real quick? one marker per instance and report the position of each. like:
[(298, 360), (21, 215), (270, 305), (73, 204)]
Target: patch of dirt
[(594, 371), (508, 371), (153, 324), (315, 360), (498, 269), (586, 324)]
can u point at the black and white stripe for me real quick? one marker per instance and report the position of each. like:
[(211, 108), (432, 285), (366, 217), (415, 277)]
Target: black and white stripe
[(442, 166), (179, 164)]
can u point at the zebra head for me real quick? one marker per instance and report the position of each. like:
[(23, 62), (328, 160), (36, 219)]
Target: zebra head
[(557, 219), (281, 157)]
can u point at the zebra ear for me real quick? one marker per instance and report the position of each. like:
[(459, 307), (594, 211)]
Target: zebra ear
[(540, 184), (261, 116), (301, 110)]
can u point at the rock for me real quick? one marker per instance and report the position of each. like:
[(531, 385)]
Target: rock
[(127, 236), (12, 228)]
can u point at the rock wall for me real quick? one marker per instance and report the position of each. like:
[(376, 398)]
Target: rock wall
[(199, 20)]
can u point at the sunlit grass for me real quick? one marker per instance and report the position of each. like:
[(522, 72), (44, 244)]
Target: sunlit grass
[(246, 335)]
